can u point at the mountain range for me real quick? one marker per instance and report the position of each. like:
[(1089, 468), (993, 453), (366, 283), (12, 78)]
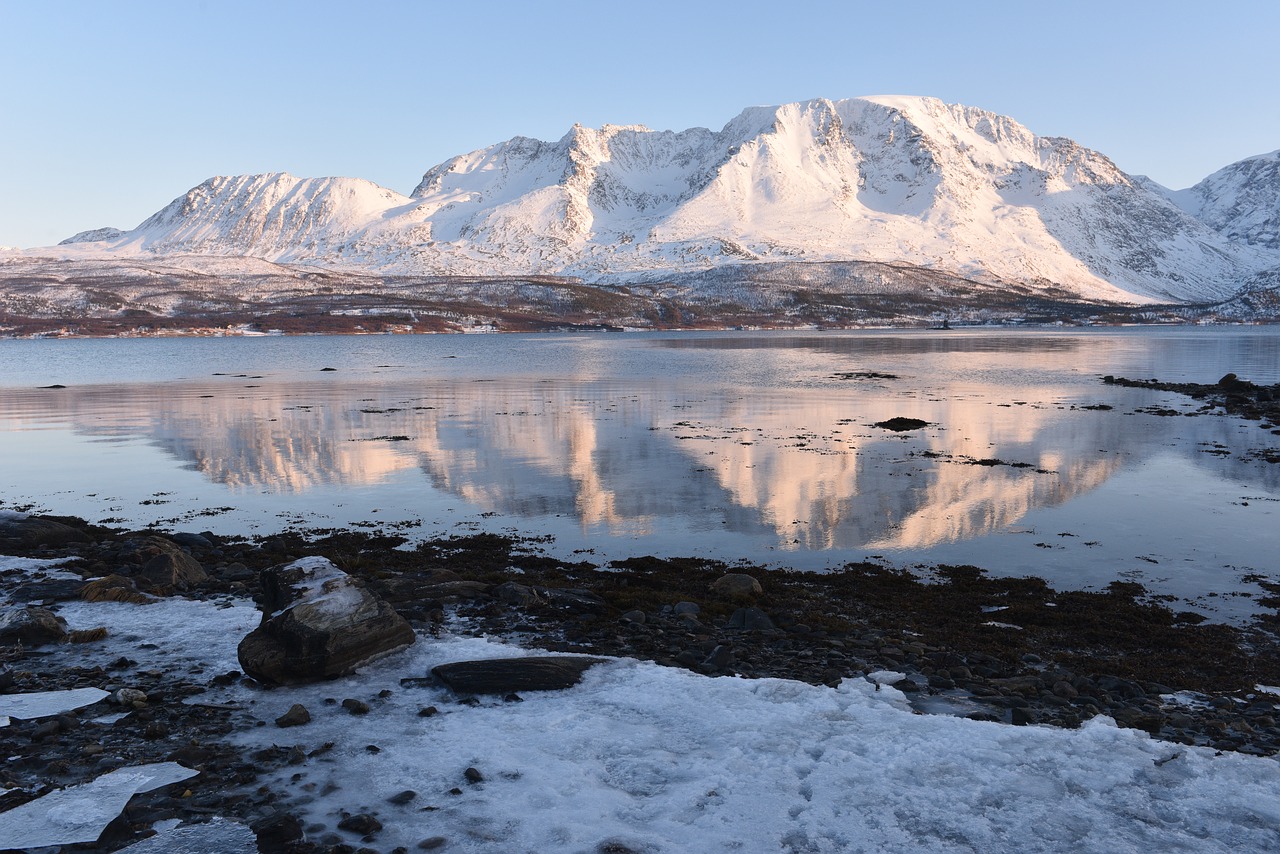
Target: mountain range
[(832, 195)]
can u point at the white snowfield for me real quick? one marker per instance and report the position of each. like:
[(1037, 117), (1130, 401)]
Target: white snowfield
[(904, 180), (662, 760)]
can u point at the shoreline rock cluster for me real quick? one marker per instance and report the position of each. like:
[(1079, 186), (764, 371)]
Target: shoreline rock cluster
[(959, 642), (1236, 396)]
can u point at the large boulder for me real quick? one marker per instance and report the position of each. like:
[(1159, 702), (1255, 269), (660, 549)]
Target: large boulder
[(736, 585), (21, 532), (166, 568), (114, 588), (31, 626), (318, 623)]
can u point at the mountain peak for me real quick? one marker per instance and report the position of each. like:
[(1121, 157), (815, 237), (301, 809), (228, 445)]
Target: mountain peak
[(896, 179), (1241, 201)]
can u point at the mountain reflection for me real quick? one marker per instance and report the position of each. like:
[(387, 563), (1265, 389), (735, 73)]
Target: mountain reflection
[(805, 466)]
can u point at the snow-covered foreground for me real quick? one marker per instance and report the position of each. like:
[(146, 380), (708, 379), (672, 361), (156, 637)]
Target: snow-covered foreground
[(658, 759)]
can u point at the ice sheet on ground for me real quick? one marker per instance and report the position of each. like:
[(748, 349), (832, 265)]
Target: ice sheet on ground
[(79, 813), (41, 567), (173, 634), (216, 835), (42, 704), (660, 759)]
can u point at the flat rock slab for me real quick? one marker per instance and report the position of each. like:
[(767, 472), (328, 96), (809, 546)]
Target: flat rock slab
[(511, 675)]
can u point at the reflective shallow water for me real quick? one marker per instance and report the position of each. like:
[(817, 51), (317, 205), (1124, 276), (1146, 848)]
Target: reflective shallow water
[(759, 446)]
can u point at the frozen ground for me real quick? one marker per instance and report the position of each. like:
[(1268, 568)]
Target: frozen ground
[(657, 759)]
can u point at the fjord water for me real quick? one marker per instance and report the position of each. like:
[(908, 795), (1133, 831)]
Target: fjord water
[(753, 445)]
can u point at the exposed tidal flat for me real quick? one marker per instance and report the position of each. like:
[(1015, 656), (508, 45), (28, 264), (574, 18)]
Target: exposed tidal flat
[(735, 509)]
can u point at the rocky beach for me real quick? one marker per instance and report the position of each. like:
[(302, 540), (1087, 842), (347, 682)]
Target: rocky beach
[(955, 642)]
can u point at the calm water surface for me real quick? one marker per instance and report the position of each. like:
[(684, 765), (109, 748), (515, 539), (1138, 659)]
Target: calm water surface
[(758, 446)]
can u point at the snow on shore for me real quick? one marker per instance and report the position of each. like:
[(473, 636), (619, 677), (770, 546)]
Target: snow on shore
[(658, 759)]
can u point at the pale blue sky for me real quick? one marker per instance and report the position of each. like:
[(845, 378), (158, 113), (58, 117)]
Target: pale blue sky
[(108, 110)]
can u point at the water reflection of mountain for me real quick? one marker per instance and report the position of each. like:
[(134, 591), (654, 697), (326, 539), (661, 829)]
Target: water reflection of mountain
[(804, 466)]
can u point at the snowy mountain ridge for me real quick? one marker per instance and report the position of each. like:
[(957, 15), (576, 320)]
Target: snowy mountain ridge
[(894, 179), (1242, 201)]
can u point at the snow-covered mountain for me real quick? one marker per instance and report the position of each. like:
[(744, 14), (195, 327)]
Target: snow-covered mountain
[(901, 180), (1241, 201)]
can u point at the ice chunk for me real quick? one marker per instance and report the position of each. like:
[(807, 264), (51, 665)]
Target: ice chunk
[(886, 677), (219, 834), (79, 813), (42, 704)]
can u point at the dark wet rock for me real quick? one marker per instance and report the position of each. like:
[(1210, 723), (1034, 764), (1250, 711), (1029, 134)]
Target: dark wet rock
[(751, 620), (31, 626), (1020, 684), (1020, 716), (318, 623), (407, 796), (737, 584), (516, 594), (1065, 689), (613, 846), (355, 707), (720, 657), (428, 712), (637, 617), (45, 730), (473, 776), (509, 675), (1121, 687), (362, 823), (1136, 718), (432, 843), (162, 565), (35, 531), (276, 831), (458, 590), (901, 424), (50, 590), (296, 716), (576, 600), (236, 572), (190, 540), (170, 571), (689, 609)]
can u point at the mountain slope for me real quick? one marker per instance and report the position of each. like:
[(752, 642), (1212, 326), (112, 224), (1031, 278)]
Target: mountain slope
[(1240, 201), (899, 180)]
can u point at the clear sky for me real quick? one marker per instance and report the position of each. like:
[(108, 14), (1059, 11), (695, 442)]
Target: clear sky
[(108, 110)]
